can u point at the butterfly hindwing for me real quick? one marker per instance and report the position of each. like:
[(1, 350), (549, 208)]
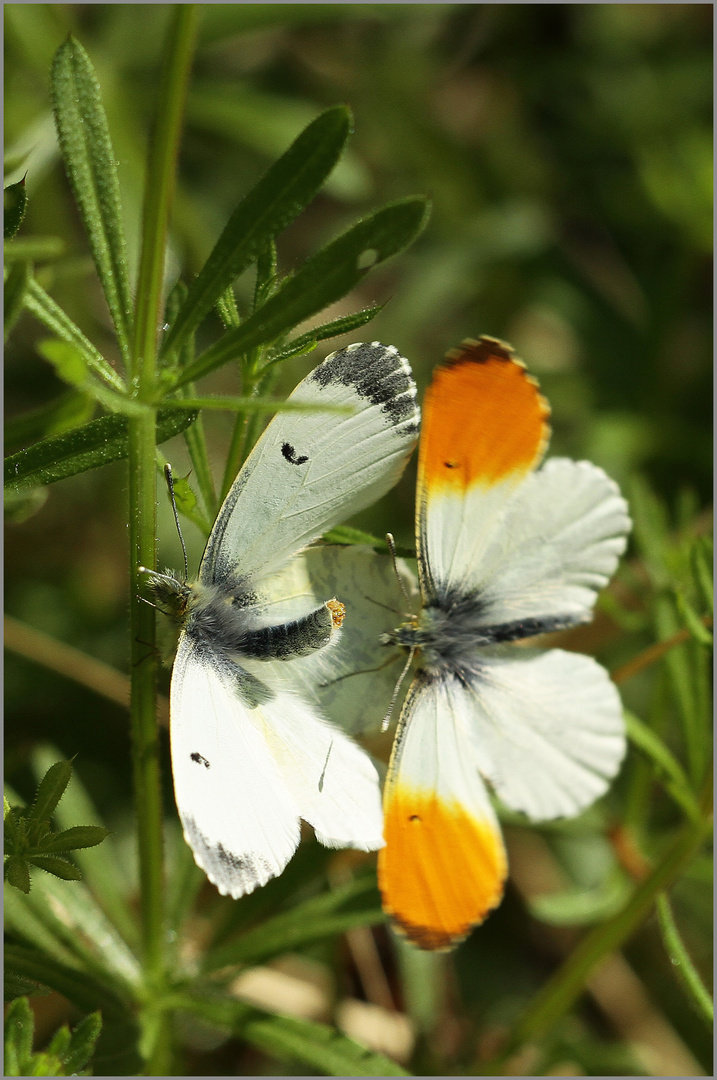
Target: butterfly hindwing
[(237, 815), (561, 539), (351, 681), (444, 863)]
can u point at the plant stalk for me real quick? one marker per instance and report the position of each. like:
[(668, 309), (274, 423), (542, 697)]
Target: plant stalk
[(159, 189)]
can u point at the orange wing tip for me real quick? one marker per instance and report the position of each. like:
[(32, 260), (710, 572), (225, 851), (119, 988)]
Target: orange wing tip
[(442, 870), (485, 420)]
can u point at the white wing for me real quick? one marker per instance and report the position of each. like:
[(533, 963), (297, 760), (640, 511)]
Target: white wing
[(238, 817), (330, 779), (353, 679), (547, 728), (559, 544), (249, 759), (444, 863), (309, 471)]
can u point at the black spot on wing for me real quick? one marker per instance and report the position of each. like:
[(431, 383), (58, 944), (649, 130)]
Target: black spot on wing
[(200, 760), (379, 374), (289, 453)]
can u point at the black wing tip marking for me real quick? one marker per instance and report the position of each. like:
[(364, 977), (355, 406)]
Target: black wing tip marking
[(380, 375), (481, 350)]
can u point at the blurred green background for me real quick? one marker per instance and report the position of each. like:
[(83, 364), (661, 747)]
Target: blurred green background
[(567, 150)]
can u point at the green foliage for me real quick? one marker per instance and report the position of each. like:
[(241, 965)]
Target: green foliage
[(31, 841), (66, 1055), (15, 205), (566, 151)]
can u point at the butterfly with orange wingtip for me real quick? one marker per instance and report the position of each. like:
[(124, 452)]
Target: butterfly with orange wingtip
[(506, 551)]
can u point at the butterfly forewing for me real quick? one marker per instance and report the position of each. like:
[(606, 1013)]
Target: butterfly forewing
[(311, 470), (485, 427)]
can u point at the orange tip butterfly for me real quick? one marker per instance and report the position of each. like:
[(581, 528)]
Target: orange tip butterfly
[(251, 751), (506, 550)]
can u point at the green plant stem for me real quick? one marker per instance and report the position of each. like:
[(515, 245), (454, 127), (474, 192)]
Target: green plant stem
[(684, 968), (159, 189), (142, 517), (565, 986), (238, 445)]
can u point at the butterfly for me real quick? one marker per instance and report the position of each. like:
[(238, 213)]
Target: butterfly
[(506, 551), (252, 754)]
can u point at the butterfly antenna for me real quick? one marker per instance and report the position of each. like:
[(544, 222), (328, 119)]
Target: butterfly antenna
[(387, 718), (170, 485), (394, 559)]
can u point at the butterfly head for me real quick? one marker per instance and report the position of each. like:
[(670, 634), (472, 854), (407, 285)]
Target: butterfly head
[(171, 595)]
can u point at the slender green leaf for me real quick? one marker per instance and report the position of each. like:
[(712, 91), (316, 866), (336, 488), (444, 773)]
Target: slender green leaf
[(82, 1043), (50, 790), (668, 766), (702, 556), (559, 993), (226, 403), (278, 198), (682, 964), (194, 436), (100, 866), (90, 163), (581, 907), (38, 930), (78, 836), (71, 366), (19, 1031), (322, 280), (308, 865), (316, 1045), (18, 986), (693, 622), (34, 249), (266, 275), (185, 879), (14, 207), (328, 330), (346, 534), (60, 868), (50, 314), (60, 1042), (86, 447), (355, 904), (73, 928), (17, 283), (20, 506), (17, 873), (67, 411), (117, 1050), (227, 309)]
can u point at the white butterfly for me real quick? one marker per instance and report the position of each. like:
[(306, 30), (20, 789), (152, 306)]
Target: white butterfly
[(251, 752), (506, 551)]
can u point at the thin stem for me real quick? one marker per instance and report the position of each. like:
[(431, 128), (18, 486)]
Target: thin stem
[(564, 987), (159, 189), (680, 958), (142, 513)]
